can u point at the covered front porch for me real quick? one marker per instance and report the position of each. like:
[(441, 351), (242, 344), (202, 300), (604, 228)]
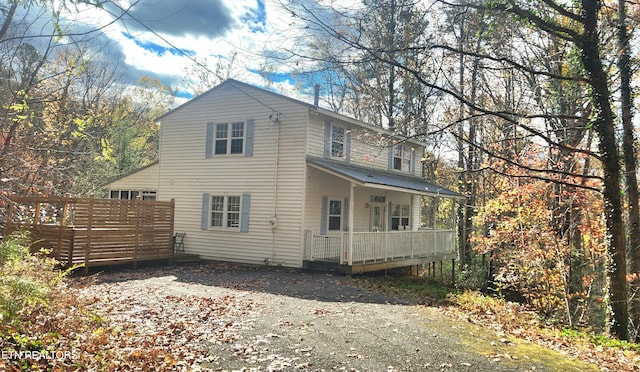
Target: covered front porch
[(374, 220)]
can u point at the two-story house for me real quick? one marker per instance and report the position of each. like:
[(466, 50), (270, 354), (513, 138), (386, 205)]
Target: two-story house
[(262, 178)]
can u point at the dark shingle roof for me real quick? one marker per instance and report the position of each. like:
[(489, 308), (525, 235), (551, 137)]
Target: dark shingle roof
[(372, 177)]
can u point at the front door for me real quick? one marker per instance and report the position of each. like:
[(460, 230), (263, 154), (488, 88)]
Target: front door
[(376, 217)]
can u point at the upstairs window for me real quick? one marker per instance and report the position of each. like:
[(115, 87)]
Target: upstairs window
[(229, 138), (402, 158), (233, 138), (337, 141)]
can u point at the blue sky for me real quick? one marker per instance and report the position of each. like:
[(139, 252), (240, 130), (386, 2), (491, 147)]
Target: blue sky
[(162, 38), (158, 49)]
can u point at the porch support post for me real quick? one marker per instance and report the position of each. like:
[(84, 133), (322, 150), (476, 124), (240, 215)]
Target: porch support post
[(454, 227), (436, 201), (352, 207)]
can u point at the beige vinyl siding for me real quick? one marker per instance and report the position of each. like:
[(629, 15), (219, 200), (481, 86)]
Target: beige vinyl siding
[(315, 134), (320, 183), (185, 174), (368, 148), (416, 215), (145, 179)]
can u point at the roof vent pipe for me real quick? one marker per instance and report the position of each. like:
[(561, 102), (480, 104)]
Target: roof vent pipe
[(316, 95)]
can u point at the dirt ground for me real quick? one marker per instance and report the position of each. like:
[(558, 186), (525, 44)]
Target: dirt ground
[(226, 317)]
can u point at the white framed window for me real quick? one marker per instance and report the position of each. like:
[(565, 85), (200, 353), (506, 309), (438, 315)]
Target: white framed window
[(400, 217), (225, 212), (337, 141), (402, 155), (334, 216), (229, 138), (148, 195), (132, 194)]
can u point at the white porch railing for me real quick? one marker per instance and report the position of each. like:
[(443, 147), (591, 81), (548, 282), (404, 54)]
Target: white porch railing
[(378, 246)]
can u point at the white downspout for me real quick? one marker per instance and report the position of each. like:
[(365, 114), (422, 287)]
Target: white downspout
[(274, 216)]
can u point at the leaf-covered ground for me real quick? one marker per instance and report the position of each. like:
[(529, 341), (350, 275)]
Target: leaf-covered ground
[(222, 317), (513, 322)]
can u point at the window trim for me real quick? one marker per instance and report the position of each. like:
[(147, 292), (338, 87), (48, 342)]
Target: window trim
[(343, 154), (402, 158), (142, 194), (225, 213), (340, 215), (229, 138), (244, 208), (400, 216)]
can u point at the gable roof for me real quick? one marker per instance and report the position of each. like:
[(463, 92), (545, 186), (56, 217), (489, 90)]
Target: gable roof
[(379, 179), (127, 174), (244, 88)]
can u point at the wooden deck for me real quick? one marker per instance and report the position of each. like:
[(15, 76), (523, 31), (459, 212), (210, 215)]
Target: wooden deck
[(95, 232)]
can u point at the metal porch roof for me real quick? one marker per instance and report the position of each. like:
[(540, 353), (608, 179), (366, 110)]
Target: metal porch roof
[(379, 179)]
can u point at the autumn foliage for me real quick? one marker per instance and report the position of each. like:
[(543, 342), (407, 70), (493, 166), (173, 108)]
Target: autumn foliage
[(546, 245)]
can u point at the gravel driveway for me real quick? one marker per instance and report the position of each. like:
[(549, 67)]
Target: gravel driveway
[(225, 317)]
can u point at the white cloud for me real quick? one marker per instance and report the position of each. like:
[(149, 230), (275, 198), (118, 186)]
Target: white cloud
[(245, 27)]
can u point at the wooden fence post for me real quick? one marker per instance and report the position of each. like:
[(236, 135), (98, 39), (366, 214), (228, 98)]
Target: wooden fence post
[(36, 217), (65, 210), (138, 232), (87, 248), (71, 244)]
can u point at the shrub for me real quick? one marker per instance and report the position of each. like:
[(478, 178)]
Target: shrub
[(473, 275), (27, 280), (14, 247)]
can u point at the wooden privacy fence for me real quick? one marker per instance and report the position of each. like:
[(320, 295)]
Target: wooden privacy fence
[(95, 232)]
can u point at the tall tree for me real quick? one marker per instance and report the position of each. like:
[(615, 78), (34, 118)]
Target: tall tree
[(629, 150), (468, 27), (370, 89), (61, 104)]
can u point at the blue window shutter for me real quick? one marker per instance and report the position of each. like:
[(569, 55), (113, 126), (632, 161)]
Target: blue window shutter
[(347, 146), (248, 149), (208, 148), (324, 215), (244, 214), (327, 139), (206, 203), (391, 158), (389, 213), (345, 222)]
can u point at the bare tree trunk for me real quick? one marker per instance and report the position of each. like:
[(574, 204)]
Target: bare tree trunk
[(462, 179), (604, 126), (629, 151), (470, 187)]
